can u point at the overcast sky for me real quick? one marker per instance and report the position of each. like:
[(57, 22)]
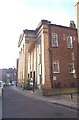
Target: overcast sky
[(17, 15)]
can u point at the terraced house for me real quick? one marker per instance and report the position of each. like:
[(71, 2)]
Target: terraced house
[(48, 54)]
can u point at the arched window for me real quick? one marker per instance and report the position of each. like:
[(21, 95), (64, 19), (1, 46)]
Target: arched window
[(69, 42)]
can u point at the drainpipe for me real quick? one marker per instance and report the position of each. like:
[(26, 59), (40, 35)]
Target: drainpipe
[(50, 52)]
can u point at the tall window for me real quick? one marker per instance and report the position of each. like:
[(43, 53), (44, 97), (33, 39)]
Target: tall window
[(56, 68), (69, 42), (71, 67), (39, 58), (54, 40)]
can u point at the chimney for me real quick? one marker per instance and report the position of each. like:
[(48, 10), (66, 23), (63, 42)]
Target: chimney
[(72, 24)]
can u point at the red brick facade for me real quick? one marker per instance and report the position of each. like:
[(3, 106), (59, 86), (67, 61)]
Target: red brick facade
[(65, 55)]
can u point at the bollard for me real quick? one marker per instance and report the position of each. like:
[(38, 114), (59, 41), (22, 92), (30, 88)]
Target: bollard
[(33, 87), (71, 96)]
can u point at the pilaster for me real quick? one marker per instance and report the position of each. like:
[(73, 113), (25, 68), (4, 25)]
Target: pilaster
[(47, 70)]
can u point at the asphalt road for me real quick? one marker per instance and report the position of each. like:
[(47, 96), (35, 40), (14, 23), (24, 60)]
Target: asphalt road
[(16, 105), (0, 107)]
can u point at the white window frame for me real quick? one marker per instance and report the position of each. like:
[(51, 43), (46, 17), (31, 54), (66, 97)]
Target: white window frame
[(39, 69), (56, 69), (69, 42), (54, 40), (71, 70), (39, 58)]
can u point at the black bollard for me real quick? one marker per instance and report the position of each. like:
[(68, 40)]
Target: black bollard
[(33, 85), (71, 96)]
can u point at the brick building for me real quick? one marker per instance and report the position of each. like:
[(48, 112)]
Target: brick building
[(49, 55)]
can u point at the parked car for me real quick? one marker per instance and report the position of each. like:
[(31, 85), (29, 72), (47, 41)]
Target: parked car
[(1, 88), (8, 84), (4, 84), (13, 82)]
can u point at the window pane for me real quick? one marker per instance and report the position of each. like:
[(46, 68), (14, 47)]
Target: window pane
[(56, 67), (54, 40), (71, 67), (69, 42)]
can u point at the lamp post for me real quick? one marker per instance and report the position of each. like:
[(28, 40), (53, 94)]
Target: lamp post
[(13, 72), (71, 82)]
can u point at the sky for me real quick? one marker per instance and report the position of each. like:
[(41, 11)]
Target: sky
[(17, 15)]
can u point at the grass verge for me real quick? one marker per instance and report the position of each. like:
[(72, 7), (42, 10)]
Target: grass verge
[(58, 91)]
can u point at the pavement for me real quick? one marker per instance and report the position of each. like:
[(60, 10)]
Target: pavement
[(62, 100)]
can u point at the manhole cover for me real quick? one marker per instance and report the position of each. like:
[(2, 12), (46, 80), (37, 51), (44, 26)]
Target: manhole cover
[(59, 114)]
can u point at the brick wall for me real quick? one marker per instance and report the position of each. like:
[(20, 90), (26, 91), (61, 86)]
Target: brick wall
[(64, 54)]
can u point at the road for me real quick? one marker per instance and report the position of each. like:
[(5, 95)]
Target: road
[(16, 105), (0, 107)]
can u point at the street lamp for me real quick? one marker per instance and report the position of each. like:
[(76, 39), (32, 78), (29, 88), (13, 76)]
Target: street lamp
[(73, 78)]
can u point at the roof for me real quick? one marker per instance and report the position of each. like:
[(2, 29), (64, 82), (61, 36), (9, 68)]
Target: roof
[(26, 30)]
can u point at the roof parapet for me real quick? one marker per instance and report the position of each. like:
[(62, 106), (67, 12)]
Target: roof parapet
[(43, 22)]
